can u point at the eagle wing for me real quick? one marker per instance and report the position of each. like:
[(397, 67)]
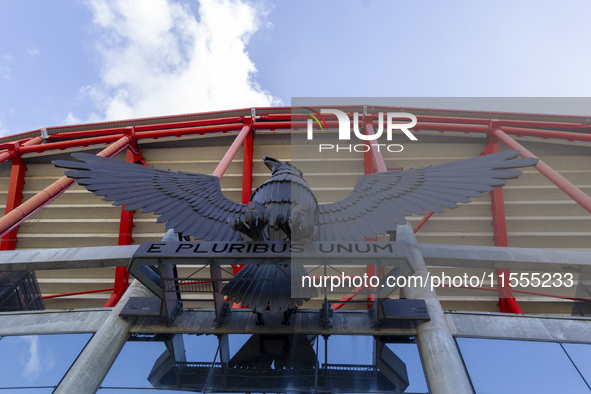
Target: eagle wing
[(192, 204), (380, 201)]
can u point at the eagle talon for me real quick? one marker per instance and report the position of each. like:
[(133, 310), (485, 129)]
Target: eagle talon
[(253, 222)]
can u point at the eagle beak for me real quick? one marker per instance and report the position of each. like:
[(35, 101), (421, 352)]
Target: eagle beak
[(270, 162)]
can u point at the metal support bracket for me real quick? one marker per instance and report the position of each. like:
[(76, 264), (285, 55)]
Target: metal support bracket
[(326, 314), (221, 313)]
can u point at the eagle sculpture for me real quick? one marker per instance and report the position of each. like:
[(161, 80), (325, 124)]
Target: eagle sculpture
[(285, 208)]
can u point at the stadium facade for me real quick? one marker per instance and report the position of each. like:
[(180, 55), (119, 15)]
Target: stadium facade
[(70, 305)]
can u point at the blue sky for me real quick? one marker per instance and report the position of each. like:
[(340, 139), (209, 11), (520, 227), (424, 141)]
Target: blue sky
[(76, 61)]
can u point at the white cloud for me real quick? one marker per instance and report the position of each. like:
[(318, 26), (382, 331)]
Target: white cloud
[(34, 362), (72, 119), (5, 68), (3, 130), (159, 58), (33, 52)]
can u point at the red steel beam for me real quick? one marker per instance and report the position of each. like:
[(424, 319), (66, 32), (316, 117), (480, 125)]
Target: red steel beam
[(8, 154), (422, 222), (368, 158), (497, 202), (77, 293), (346, 298), (121, 284), (106, 139), (229, 156), (189, 131), (453, 127), (563, 135), (20, 213), (457, 127), (247, 164), (70, 144), (125, 227), (377, 155), (152, 127), (563, 184), (14, 199), (503, 122), (467, 128), (458, 120), (237, 118)]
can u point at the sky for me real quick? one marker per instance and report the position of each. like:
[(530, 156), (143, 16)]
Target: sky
[(79, 61)]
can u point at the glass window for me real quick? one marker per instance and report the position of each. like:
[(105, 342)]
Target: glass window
[(37, 361), (513, 366), (347, 349), (133, 365), (137, 359), (580, 355), (263, 363), (409, 354), (359, 350)]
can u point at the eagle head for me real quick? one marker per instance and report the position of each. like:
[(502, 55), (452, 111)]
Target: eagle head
[(281, 167)]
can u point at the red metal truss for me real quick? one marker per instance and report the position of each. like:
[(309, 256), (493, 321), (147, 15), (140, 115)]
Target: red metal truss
[(15, 187), (13, 148), (120, 137), (38, 201), (563, 184)]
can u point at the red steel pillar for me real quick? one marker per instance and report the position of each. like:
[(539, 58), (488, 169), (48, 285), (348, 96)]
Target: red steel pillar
[(247, 164), (133, 155), (15, 195), (15, 187), (372, 154), (507, 302), (244, 139)]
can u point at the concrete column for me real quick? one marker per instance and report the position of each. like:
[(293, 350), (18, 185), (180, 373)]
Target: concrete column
[(91, 367), (442, 362)]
